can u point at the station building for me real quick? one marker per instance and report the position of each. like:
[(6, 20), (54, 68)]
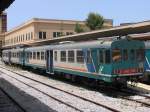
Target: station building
[(38, 29)]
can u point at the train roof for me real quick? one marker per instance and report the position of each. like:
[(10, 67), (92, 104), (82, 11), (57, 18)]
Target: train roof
[(76, 45), (14, 50), (80, 45)]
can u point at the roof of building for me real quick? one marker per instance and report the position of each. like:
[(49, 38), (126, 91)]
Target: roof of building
[(41, 20)]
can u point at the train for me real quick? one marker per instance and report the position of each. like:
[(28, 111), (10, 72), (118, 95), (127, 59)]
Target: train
[(146, 77), (113, 61)]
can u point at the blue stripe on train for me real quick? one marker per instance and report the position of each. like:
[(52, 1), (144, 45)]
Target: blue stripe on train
[(147, 64), (90, 66)]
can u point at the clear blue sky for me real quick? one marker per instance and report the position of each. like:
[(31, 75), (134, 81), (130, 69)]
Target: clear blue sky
[(120, 11)]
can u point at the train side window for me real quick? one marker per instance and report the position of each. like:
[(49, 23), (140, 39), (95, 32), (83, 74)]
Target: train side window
[(38, 55), (71, 56), (80, 57), (42, 55), (125, 54), (34, 55), (132, 54), (30, 55), (116, 55), (101, 58), (140, 55), (55, 55), (63, 56), (89, 58), (107, 56)]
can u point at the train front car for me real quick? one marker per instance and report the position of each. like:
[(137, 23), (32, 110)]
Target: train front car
[(146, 77), (127, 60)]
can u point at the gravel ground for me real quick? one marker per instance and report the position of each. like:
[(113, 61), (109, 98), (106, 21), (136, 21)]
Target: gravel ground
[(117, 103)]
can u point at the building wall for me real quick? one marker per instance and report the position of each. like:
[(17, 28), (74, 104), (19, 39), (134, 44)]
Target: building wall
[(21, 36), (40, 29)]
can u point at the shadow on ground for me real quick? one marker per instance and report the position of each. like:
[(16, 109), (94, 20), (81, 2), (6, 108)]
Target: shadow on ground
[(30, 103)]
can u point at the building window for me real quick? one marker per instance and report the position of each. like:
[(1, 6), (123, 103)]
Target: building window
[(31, 35), (26, 36), (57, 34), (69, 33), (42, 35), (71, 56), (80, 57), (63, 56)]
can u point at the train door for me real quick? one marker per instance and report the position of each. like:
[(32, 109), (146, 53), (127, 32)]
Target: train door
[(49, 61), (90, 60), (104, 61), (9, 57)]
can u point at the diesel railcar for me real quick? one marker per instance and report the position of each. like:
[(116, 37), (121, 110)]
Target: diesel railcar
[(111, 61), (147, 62)]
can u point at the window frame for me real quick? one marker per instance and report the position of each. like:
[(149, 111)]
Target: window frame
[(63, 58), (71, 58), (80, 58)]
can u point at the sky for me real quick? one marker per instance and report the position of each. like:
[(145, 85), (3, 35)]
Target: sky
[(121, 11)]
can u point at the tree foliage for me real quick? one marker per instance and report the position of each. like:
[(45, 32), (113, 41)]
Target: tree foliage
[(94, 21), (78, 28)]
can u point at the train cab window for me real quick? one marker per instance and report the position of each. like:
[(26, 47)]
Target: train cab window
[(71, 56), (63, 56), (107, 57), (125, 54), (55, 55), (89, 58), (42, 55), (101, 58), (132, 55), (140, 55), (116, 55), (38, 55), (80, 57), (34, 55)]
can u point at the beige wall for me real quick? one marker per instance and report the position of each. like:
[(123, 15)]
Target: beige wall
[(18, 35)]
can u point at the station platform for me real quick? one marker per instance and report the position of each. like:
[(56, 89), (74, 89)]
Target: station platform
[(27, 102), (140, 86)]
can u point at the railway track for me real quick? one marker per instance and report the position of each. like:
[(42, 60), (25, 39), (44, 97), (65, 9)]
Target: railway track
[(8, 104), (82, 98), (135, 93), (98, 104)]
